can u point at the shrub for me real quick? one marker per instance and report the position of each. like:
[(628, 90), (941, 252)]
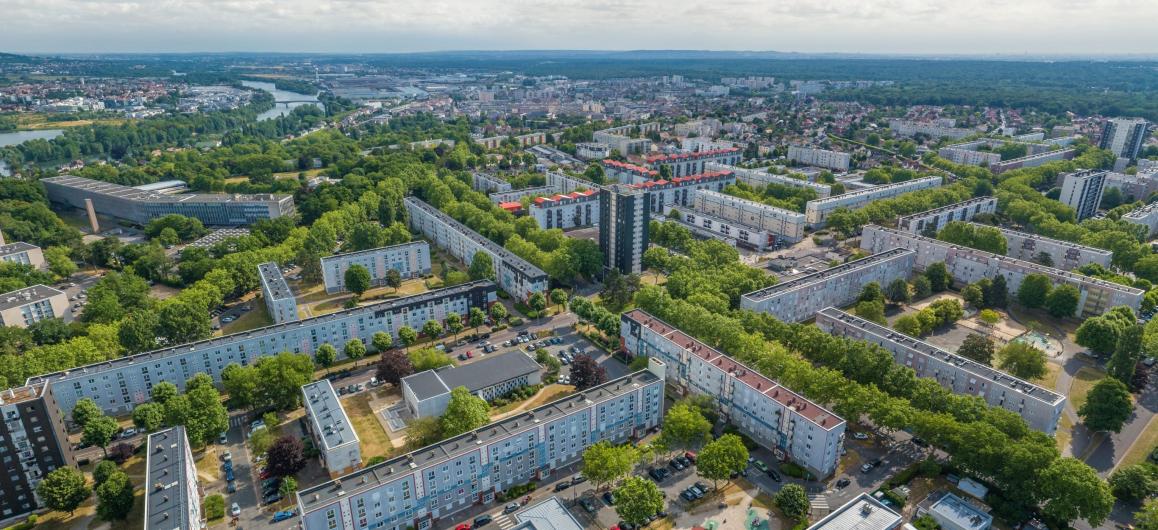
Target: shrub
[(375, 460), (795, 471), (213, 507)]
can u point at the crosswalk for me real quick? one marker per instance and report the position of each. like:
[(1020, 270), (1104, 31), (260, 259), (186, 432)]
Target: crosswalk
[(505, 521)]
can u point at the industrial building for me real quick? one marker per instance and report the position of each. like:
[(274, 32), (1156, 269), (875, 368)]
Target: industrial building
[(1062, 254), (772, 415), (411, 260), (800, 298), (929, 222), (22, 253), (1082, 191), (279, 299), (787, 226), (172, 489), (515, 275), (624, 219), (810, 156), (24, 307), (1040, 408), (427, 393), (333, 434), (816, 211)]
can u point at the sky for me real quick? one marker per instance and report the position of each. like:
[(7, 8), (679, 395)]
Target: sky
[(1009, 27)]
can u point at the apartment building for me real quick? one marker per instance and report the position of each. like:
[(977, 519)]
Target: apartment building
[(172, 490), (934, 130), (411, 260), (22, 253), (619, 138), (800, 298), (1137, 187), (141, 206), (1033, 160), (968, 265), (333, 434), (954, 513), (1039, 407), (1146, 216), (681, 191), (772, 415), (730, 232), (816, 211), (592, 150), (687, 164), (930, 221), (564, 183), (969, 157), (1125, 136), (500, 197), (863, 512), (624, 219), (1082, 191), (579, 208), (786, 225), (422, 488), (761, 179), (34, 441), (279, 299), (487, 183), (24, 307), (121, 384), (1063, 255), (811, 156), (536, 138), (625, 173), (427, 393), (515, 275)]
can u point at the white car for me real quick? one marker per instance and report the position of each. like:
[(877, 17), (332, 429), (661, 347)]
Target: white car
[(235, 510)]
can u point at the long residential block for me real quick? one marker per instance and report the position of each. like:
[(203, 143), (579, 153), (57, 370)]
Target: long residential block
[(681, 191), (422, 488), (24, 307), (816, 211), (1063, 255), (930, 221), (1146, 216), (22, 253), (968, 265), (787, 225), (330, 427), (500, 197), (731, 232), (411, 260), (628, 173), (172, 490), (756, 178), (279, 299), (812, 156), (569, 210), (802, 297), (687, 164), (1033, 160), (515, 275), (487, 183), (564, 183), (1040, 408), (769, 413), (119, 385)]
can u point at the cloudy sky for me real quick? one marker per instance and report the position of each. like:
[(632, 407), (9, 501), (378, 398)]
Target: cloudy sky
[(863, 26)]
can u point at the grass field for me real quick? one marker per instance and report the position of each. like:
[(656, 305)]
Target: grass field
[(548, 394), (1084, 380), (1143, 445), (1049, 380), (372, 437), (255, 318)]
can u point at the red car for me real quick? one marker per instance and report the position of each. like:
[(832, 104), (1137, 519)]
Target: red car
[(690, 455), (469, 354), (463, 526)]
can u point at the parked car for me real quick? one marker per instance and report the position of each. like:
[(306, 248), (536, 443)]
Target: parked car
[(482, 521), (231, 487), (562, 486), (578, 479), (676, 465), (463, 526), (587, 504), (229, 474), (227, 456), (919, 442), (774, 475), (272, 498), (690, 455), (609, 498), (860, 436), (865, 468), (759, 464), (511, 508), (844, 482), (222, 439), (274, 482), (283, 515), (235, 510), (659, 473), (684, 460)]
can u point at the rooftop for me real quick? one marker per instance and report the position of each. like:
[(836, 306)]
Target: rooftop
[(559, 197), (863, 512), (372, 251), (807, 279), (961, 513), (948, 207), (109, 189), (16, 248), (1067, 244), (723, 197), (550, 514), (868, 192), (624, 166), (274, 281), (711, 153), (682, 181), (27, 295), (494, 248), (484, 373), (166, 481), (395, 468), (752, 378), (329, 419)]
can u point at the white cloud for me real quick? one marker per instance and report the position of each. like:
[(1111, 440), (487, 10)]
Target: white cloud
[(887, 26)]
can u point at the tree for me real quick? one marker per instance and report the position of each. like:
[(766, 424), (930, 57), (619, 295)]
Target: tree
[(871, 292), (63, 489), (973, 295), (909, 325), (454, 324), (477, 318), (163, 392), (938, 275), (897, 292), (996, 292), (289, 486), (50, 331), (281, 378), (1147, 517), (428, 359), (393, 279), (85, 409), (354, 349), (286, 456), (180, 321), (421, 432), (1022, 360), (1127, 354), (989, 316), (103, 470), (407, 335), (871, 310), (357, 279), (138, 332), (326, 355), (1100, 334), (618, 289), (638, 499), (381, 341), (1063, 301), (559, 297), (1073, 490), (393, 366), (207, 416), (1034, 290), (482, 267), (721, 458), (922, 288), (684, 426), (977, 347), (99, 431), (465, 412), (1134, 482), (538, 303), (586, 373), (59, 261), (432, 329), (1107, 406), (792, 501), (498, 312), (115, 497), (604, 463), (242, 385), (261, 439), (148, 417)]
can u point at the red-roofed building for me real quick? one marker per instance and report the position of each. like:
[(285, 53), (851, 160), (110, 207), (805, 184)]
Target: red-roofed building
[(513, 207), (579, 208), (681, 191), (684, 164), (626, 173)]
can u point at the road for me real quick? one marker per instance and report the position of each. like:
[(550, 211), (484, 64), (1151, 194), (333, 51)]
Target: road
[(76, 285)]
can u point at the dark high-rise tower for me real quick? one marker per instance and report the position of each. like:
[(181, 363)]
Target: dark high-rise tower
[(623, 223)]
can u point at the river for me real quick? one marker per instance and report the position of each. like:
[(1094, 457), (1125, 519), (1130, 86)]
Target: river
[(18, 137), (281, 109)]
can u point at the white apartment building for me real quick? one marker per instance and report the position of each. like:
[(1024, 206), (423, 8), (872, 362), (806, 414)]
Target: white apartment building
[(333, 434), (774, 416), (1082, 191), (172, 491), (411, 260), (759, 179), (500, 197), (1033, 160), (571, 210), (969, 157), (1063, 254), (816, 211), (626, 173), (687, 164), (22, 253), (24, 307), (800, 298), (592, 150), (681, 191), (811, 156), (564, 183), (487, 183), (1039, 407), (279, 298), (787, 225), (730, 232), (936, 131), (968, 265), (515, 275), (1146, 216), (930, 221), (1137, 187), (863, 512), (1125, 136)]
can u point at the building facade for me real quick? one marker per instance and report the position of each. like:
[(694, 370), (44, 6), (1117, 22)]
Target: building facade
[(500, 197), (571, 210), (930, 221), (681, 191), (279, 298), (141, 206), (24, 307), (333, 434), (1137, 187), (1125, 136), (34, 440), (863, 512), (626, 173), (969, 157), (816, 211), (1033, 160), (623, 227), (1040, 408), (564, 183), (769, 413), (421, 488), (1146, 216), (487, 183), (427, 393), (687, 164), (1082, 191), (934, 130), (515, 275), (1062, 254), (788, 226), (811, 156), (760, 179), (730, 232), (411, 260), (592, 151), (22, 253), (968, 265), (172, 490), (800, 298)]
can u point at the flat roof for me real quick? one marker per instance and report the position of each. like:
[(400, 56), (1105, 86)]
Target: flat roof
[(425, 384), (1067, 244), (166, 481), (378, 250), (960, 512), (109, 189), (550, 514), (946, 208), (330, 422), (27, 295), (274, 281), (863, 512), (876, 189), (16, 248), (489, 371), (723, 197), (819, 276), (385, 472), (506, 255)]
